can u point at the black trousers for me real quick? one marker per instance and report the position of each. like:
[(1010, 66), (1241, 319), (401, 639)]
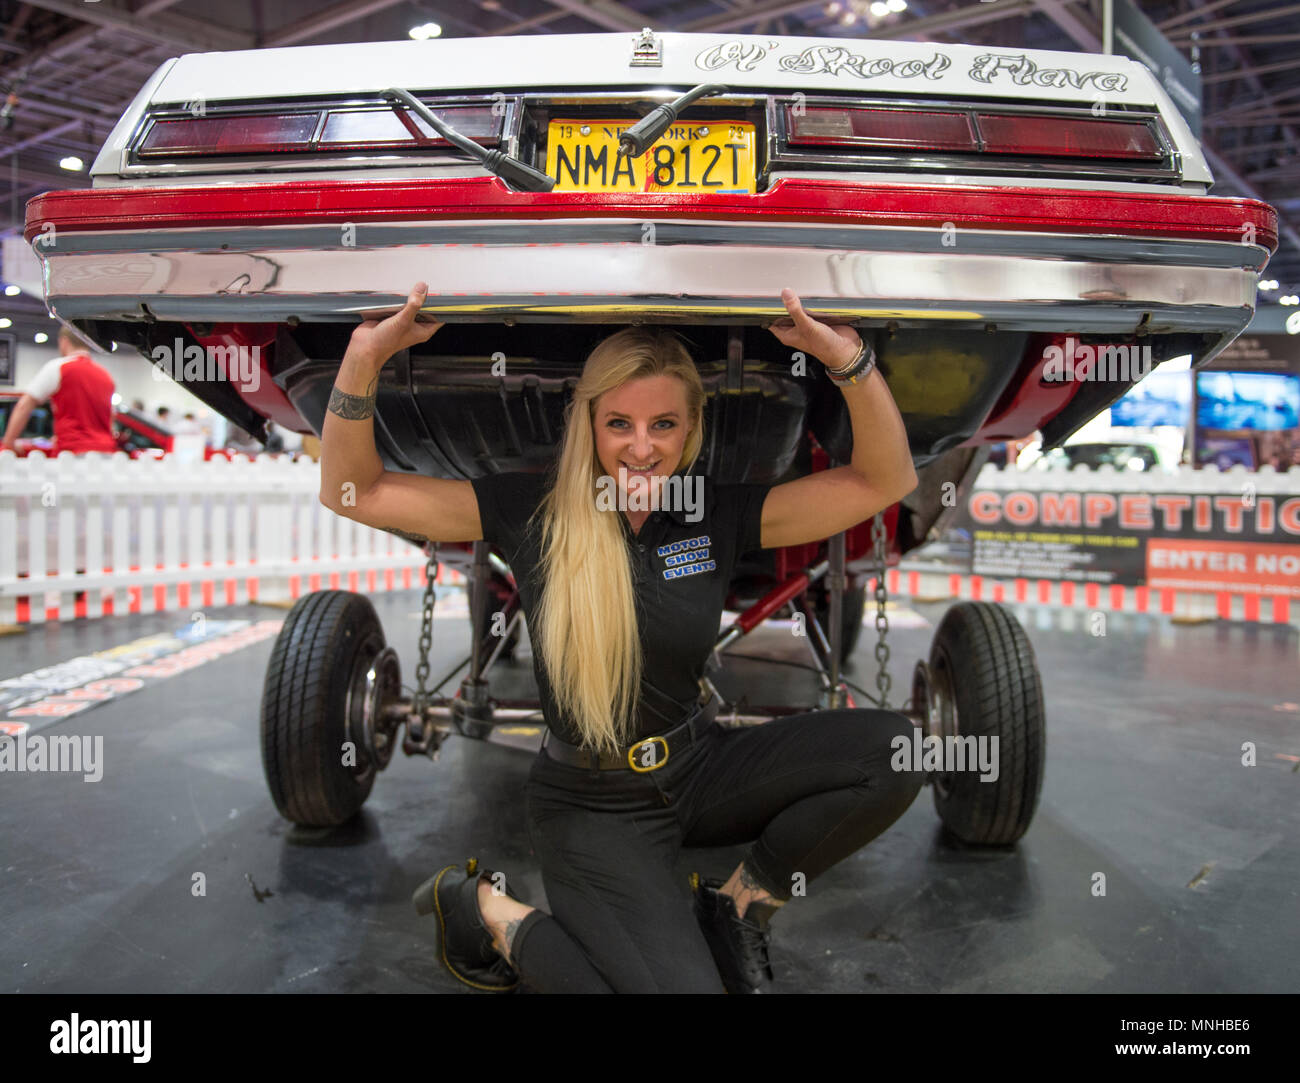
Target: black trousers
[(806, 790)]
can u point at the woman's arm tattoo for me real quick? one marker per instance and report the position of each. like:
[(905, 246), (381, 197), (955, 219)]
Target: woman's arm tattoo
[(354, 407), (414, 539)]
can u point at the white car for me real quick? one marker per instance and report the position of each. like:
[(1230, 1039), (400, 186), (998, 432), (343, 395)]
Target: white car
[(977, 213)]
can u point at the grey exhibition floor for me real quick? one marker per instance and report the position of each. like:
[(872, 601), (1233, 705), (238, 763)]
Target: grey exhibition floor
[(1144, 783)]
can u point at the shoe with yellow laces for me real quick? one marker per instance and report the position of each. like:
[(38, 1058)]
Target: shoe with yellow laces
[(466, 942)]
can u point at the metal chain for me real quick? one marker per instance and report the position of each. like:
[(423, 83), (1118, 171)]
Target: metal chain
[(421, 698), (882, 621)]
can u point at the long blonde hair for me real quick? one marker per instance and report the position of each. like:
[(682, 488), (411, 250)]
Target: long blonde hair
[(586, 615)]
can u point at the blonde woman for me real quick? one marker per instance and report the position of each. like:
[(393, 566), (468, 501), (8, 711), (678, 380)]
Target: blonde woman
[(623, 556)]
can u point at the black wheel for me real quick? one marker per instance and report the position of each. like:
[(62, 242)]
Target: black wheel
[(853, 605), (328, 680), (494, 600), (983, 681)]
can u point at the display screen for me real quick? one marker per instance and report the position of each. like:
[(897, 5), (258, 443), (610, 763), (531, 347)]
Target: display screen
[(1163, 398), (1247, 400)]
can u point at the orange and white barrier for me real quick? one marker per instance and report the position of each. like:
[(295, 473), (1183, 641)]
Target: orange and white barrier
[(934, 585)]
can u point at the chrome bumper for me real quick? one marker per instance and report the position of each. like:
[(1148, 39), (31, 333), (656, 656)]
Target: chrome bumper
[(597, 270)]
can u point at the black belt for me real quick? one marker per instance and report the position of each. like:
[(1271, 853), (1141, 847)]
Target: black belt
[(648, 754)]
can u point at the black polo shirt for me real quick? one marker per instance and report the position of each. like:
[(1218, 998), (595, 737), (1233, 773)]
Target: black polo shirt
[(681, 571)]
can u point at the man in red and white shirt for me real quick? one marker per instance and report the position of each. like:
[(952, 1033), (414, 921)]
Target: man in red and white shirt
[(81, 394)]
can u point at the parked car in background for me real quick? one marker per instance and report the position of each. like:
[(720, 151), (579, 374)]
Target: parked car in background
[(141, 435), (38, 434), (1120, 456)]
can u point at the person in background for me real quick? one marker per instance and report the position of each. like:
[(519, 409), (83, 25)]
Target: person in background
[(79, 392), (164, 415), (137, 405), (188, 426), (238, 439), (274, 439)]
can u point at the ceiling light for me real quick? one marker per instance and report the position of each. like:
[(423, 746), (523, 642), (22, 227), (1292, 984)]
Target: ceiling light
[(879, 8), (41, 336), (5, 321), (72, 164), (896, 5), (1293, 324), (12, 290), (1268, 283), (425, 31)]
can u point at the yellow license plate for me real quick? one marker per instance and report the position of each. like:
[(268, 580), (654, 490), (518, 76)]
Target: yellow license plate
[(582, 156)]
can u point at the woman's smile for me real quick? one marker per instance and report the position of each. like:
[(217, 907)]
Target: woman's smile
[(640, 430)]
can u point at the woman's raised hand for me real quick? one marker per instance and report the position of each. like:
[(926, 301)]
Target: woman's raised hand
[(832, 346), (376, 340)]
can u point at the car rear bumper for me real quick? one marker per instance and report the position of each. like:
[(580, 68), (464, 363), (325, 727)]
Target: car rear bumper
[(1019, 258)]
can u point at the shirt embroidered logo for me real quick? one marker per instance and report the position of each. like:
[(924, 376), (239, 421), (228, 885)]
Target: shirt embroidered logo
[(702, 541), (690, 569), (689, 557)]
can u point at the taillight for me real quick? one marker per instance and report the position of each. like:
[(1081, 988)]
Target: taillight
[(1023, 133), (246, 134), (970, 131), (902, 129), (351, 130)]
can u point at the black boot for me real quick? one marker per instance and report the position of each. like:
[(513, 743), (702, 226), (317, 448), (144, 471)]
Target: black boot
[(739, 945), (467, 948)]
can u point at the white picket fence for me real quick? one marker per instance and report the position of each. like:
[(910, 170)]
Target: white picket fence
[(1185, 479), (99, 535)]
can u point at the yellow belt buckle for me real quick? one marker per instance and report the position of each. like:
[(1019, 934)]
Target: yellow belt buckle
[(647, 747)]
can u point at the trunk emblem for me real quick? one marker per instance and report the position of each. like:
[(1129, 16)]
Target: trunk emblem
[(646, 51)]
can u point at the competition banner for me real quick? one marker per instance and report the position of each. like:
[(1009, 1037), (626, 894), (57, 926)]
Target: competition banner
[(1188, 541)]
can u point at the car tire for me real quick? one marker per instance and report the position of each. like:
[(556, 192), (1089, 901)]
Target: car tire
[(985, 682), (310, 707)]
